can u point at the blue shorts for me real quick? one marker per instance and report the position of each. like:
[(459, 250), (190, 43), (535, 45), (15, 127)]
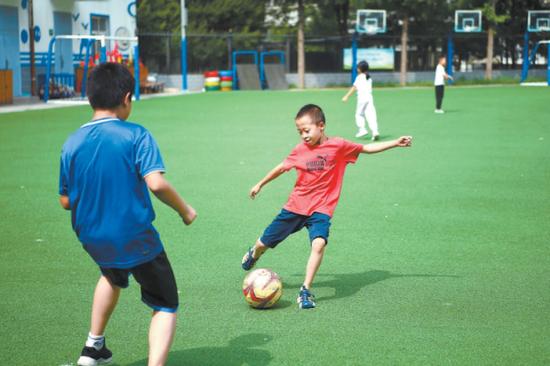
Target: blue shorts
[(287, 222)]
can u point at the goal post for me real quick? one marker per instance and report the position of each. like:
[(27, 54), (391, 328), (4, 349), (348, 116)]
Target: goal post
[(86, 51), (538, 21), (531, 60)]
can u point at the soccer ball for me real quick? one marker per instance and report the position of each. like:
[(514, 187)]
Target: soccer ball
[(262, 288)]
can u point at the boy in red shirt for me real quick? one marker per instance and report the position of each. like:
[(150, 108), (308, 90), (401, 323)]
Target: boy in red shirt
[(320, 162)]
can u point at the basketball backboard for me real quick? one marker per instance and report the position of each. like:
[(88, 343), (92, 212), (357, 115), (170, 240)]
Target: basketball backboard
[(468, 21), (371, 21), (538, 21)]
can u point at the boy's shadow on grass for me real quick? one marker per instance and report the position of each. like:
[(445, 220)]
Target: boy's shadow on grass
[(348, 284), (240, 351)]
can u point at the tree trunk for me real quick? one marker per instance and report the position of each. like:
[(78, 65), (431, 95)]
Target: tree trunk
[(301, 51), (513, 53), (341, 12), (404, 38), (489, 60)]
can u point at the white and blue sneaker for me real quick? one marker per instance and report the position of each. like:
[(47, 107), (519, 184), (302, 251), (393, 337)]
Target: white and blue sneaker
[(306, 300), (248, 260), (91, 356)]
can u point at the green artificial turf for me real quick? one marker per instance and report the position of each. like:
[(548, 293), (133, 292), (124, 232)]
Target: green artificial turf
[(439, 254)]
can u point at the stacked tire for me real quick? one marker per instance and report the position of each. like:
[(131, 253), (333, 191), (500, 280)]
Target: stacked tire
[(211, 81), (226, 80)]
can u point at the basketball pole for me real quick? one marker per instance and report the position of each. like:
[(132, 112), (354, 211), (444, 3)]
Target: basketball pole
[(450, 55), (183, 12), (354, 57), (525, 64)]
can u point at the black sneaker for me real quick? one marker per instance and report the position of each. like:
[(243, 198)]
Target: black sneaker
[(91, 356)]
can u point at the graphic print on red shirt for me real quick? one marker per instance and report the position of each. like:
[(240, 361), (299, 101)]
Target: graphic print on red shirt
[(320, 174)]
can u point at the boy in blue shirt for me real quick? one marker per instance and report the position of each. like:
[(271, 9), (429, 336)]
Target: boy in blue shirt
[(107, 167)]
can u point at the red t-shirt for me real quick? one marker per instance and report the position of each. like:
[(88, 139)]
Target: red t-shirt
[(320, 172)]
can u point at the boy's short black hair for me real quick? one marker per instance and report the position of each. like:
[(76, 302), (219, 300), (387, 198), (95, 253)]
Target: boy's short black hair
[(442, 56), (314, 111), (108, 84)]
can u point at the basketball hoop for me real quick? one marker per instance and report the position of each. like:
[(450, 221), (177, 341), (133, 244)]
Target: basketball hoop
[(468, 21), (371, 29)]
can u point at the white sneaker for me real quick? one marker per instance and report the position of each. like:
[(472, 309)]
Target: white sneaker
[(439, 111), (375, 137), (362, 133)]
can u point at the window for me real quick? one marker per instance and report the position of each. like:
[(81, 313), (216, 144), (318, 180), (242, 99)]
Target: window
[(100, 25)]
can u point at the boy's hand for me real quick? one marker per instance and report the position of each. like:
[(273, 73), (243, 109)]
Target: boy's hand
[(255, 190), (404, 141), (190, 215), (64, 202)]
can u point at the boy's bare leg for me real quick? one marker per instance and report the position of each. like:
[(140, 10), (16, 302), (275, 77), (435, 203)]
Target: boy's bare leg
[(314, 262), (161, 335), (252, 255), (105, 299), (259, 249)]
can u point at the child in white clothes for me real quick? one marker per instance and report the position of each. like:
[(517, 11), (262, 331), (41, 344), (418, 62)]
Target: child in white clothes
[(365, 103), (439, 83)]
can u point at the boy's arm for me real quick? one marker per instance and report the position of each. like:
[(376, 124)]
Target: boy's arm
[(274, 173), (167, 194), (403, 141), (447, 76), (350, 92), (64, 201)]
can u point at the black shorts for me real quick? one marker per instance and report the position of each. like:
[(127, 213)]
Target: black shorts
[(156, 278)]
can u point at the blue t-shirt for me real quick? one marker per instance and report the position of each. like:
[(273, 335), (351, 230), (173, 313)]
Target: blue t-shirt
[(103, 165)]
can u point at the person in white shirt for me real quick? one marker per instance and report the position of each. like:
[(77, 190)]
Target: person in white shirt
[(439, 82), (365, 103)]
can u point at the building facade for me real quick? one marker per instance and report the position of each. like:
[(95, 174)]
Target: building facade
[(54, 18)]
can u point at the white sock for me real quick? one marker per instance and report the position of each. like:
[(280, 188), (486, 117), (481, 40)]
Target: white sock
[(95, 341)]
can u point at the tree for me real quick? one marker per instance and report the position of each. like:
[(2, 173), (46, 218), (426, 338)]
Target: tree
[(493, 20), (156, 17), (412, 16), (207, 19), (515, 26), (300, 46), (341, 15), (283, 10)]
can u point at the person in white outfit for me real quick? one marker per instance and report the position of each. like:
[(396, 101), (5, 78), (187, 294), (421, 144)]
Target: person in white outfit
[(365, 102), (439, 83)]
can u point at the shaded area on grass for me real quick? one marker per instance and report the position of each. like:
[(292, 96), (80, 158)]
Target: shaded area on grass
[(348, 284), (242, 350)]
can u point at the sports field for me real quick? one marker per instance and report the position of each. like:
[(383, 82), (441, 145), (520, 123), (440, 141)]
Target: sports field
[(439, 254)]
